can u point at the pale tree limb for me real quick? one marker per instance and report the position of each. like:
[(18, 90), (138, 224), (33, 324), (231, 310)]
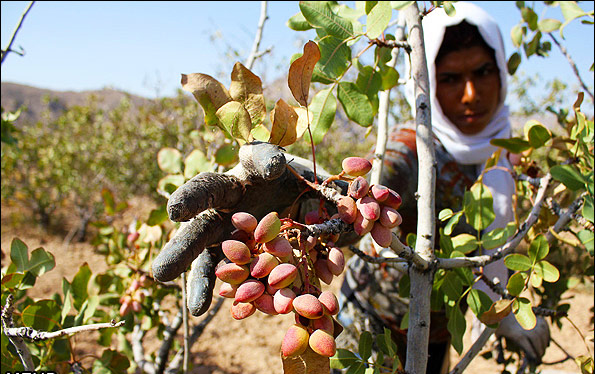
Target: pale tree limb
[(572, 65), (383, 110), (138, 352), (510, 245), (421, 281), (8, 49), (254, 54), (473, 351), (18, 342)]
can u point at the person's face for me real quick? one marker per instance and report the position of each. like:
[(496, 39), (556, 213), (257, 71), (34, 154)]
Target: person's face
[(468, 88)]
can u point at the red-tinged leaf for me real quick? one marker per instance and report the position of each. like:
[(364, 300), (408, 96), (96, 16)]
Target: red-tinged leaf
[(246, 88), (284, 119), (300, 73), (497, 312), (209, 93)]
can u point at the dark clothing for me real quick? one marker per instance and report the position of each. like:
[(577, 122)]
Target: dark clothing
[(370, 296)]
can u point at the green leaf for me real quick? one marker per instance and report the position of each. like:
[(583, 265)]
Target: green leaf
[(449, 9), (297, 22), (343, 359), (518, 262), (445, 214), (547, 271), (42, 315), (456, 326), (19, 254), (365, 345), (335, 56), (478, 206), (355, 103), (378, 19), (478, 301), (452, 286), (320, 15), (235, 120), (537, 134), (323, 108), (530, 17), (228, 154), (523, 313), (570, 10), (497, 237), (452, 223), (588, 240), (539, 248), (400, 5), (464, 243), (195, 163), (158, 215), (386, 344), (66, 290), (41, 262), (79, 285), (516, 35), (111, 362), (513, 64), (170, 160), (369, 82), (514, 145), (549, 25), (108, 201), (569, 176), (588, 207), (516, 283), (171, 182)]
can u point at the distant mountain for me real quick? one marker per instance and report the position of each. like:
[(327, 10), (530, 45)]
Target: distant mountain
[(15, 96)]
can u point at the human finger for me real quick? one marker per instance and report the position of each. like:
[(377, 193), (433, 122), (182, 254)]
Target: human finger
[(201, 280), (188, 242)]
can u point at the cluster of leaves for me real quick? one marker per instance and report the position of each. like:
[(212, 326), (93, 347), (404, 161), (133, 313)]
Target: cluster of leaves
[(70, 159), (53, 313), (529, 31)]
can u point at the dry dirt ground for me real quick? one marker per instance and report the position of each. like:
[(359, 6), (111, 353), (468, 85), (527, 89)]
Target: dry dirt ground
[(252, 346)]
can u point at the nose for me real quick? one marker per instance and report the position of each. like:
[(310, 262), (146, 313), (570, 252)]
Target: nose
[(469, 93)]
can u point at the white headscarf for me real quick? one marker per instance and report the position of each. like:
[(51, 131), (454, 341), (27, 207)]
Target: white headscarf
[(473, 149)]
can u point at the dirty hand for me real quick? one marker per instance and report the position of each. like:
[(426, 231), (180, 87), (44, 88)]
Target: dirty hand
[(532, 342), (259, 184)]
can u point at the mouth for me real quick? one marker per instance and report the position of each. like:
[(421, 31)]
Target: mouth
[(471, 117)]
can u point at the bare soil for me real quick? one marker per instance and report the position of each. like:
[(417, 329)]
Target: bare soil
[(251, 346)]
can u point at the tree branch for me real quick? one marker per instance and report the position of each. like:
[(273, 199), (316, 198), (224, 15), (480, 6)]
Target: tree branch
[(451, 263), (421, 280), (254, 54), (572, 65), (473, 351), (14, 34), (17, 341)]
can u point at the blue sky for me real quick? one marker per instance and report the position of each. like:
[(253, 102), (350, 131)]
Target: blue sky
[(143, 47)]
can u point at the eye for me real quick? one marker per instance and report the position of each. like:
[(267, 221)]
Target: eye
[(448, 78)]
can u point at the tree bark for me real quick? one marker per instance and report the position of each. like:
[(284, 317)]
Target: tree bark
[(421, 280)]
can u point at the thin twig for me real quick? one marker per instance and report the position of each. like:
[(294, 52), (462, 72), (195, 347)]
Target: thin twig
[(254, 54), (186, 330), (35, 335), (510, 245), (473, 350), (168, 337), (566, 216), (138, 351), (8, 49), (572, 65)]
